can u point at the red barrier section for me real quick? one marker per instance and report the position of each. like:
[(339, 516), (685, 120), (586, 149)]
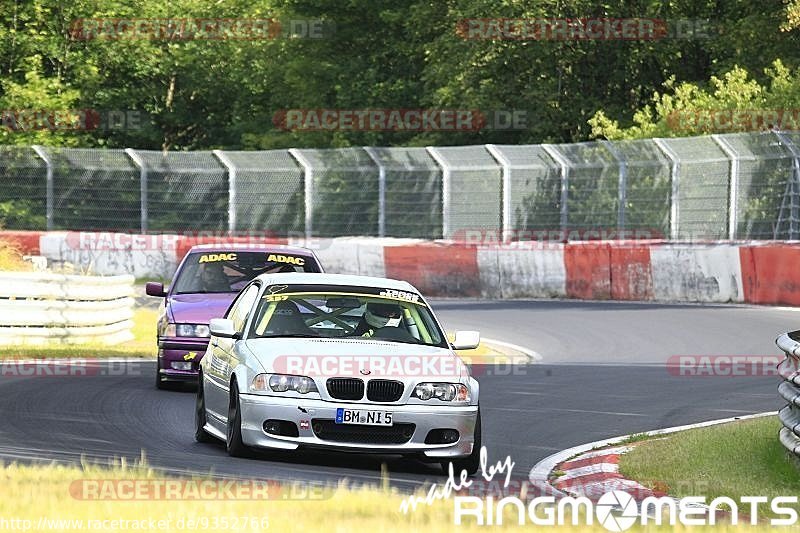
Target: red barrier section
[(631, 273), (435, 269), (26, 241), (588, 267), (770, 274), (184, 243)]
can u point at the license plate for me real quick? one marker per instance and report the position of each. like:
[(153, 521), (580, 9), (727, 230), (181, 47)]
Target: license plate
[(363, 417)]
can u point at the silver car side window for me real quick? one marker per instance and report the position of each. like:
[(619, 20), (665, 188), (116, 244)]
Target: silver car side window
[(241, 309)]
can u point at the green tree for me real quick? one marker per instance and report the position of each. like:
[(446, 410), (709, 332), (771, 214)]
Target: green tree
[(685, 109)]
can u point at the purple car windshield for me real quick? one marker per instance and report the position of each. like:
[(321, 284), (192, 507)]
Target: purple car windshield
[(222, 272)]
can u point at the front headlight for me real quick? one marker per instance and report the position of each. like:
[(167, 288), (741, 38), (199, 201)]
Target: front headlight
[(283, 383), (193, 330), (446, 392)]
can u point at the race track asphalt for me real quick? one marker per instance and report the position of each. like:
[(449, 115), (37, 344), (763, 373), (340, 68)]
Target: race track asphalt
[(602, 374)]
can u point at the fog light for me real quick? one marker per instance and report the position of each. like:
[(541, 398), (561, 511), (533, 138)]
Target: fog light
[(449, 436), (272, 426), (442, 436), (283, 428), (181, 365)]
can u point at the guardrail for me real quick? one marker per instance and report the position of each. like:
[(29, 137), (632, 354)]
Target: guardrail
[(41, 308), (789, 390)]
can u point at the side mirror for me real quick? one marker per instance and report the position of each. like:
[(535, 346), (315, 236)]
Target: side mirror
[(153, 288), (466, 340), (222, 327)]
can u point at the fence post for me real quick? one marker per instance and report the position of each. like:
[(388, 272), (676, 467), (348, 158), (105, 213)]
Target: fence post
[(381, 190), (139, 162), (622, 187), (733, 198), (505, 208), (49, 192), (308, 182), (674, 207), (231, 168), (553, 152), (793, 185), (446, 178)]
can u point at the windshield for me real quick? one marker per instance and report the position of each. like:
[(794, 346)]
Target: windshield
[(222, 272), (346, 312)]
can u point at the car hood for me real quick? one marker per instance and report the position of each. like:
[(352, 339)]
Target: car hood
[(198, 308), (351, 357)]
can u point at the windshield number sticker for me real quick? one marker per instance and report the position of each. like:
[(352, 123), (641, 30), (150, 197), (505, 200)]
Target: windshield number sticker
[(400, 295)]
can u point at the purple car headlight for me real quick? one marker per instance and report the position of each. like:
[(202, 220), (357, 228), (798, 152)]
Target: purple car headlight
[(191, 330)]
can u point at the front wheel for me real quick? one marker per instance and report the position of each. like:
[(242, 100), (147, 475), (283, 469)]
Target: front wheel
[(471, 463), (233, 442), (200, 434)]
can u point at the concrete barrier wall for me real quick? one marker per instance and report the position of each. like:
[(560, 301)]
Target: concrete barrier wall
[(761, 273), (771, 273), (697, 273), (522, 273), (436, 269), (111, 254)]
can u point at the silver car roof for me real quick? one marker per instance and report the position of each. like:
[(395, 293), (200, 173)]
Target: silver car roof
[(301, 278)]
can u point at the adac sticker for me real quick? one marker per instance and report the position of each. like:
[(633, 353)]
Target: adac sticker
[(278, 258), (190, 356), (214, 258)]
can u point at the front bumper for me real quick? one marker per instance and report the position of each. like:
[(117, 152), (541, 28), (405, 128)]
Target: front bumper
[(184, 350), (256, 409)]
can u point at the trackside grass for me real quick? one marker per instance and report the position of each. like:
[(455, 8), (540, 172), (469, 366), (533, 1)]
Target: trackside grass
[(46, 497), (738, 459)]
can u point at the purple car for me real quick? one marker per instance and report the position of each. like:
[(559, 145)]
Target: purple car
[(205, 284)]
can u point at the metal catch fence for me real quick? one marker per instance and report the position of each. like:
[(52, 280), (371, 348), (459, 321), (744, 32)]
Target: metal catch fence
[(743, 186)]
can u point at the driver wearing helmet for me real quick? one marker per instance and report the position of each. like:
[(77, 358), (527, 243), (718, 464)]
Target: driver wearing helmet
[(377, 316), (213, 278)]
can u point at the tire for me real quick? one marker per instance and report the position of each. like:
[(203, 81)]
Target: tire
[(233, 441), (471, 463), (200, 434)]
